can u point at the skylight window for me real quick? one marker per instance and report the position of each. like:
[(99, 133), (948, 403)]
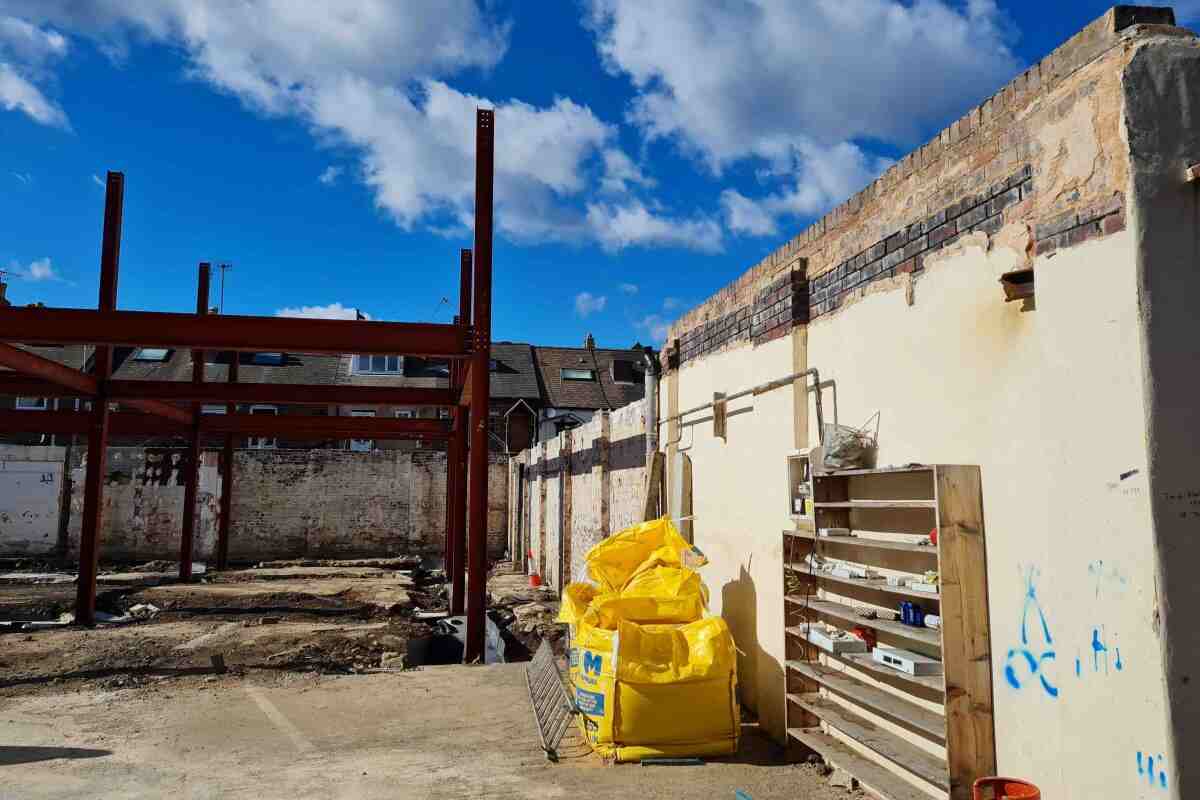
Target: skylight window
[(152, 354), (569, 374), (267, 359)]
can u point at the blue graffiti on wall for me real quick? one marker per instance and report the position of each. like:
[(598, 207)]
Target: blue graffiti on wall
[(1146, 765), (1031, 657)]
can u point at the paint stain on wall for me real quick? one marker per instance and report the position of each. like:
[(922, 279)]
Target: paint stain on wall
[(1152, 770), (1031, 658)]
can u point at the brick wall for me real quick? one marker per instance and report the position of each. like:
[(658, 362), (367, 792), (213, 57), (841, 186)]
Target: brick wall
[(286, 504), (580, 487), (999, 171)]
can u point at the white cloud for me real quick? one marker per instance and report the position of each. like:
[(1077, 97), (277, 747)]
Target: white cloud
[(372, 75), (23, 177), (331, 311), (743, 215), (632, 224), (587, 303), (777, 74), (96, 179), (25, 51), (40, 270), (628, 288), (671, 303), (330, 175), (655, 326)]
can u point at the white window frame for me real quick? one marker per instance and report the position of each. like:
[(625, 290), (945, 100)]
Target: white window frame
[(362, 445), (33, 404), (372, 369), (161, 354), (262, 442)]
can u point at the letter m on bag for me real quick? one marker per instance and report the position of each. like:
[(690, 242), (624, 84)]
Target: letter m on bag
[(591, 663)]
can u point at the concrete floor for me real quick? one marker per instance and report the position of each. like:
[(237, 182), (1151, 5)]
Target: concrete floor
[(440, 732)]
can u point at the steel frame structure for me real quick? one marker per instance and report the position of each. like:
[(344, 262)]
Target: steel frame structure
[(173, 407)]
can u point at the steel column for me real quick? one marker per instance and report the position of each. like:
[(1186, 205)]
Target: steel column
[(194, 453), (97, 453), (227, 477), (479, 377), (458, 447)]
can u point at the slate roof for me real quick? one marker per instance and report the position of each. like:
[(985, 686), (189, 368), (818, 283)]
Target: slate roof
[(515, 376), (75, 356), (597, 394)]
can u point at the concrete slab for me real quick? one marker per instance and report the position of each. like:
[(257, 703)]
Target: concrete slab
[(445, 733)]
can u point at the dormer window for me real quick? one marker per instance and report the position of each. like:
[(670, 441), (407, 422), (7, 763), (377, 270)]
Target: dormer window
[(378, 365)]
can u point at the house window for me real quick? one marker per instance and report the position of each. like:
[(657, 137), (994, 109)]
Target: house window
[(569, 374), (268, 359), (362, 445), (624, 371), (152, 354), (32, 403), (212, 408), (405, 413), (443, 413), (378, 365), (262, 442)]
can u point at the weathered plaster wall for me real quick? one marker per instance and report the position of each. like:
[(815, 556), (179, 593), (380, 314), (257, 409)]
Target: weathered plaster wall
[(286, 504), (604, 487), (31, 490), (908, 318), (1162, 97), (143, 504)]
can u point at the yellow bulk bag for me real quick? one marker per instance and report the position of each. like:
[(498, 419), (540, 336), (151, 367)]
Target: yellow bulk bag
[(657, 595), (618, 558), (575, 600), (657, 690)]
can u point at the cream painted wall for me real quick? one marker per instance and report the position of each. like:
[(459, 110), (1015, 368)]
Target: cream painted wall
[(1049, 403), (740, 501)]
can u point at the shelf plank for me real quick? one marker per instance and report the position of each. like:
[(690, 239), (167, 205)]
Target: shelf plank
[(865, 585), (845, 614), (876, 504), (876, 544), (903, 754), (904, 713), (927, 687), (845, 473), (873, 777)]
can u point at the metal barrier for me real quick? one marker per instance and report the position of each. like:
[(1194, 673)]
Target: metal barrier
[(553, 708)]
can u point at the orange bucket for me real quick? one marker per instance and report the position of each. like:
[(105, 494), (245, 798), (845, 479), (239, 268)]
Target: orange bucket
[(535, 580), (1005, 789)]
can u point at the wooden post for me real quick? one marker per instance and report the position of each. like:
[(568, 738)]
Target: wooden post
[(480, 388), (97, 453), (193, 466)]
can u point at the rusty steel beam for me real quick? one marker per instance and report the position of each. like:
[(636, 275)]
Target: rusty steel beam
[(97, 452), (59, 380), (245, 334), (128, 391), (456, 455), (227, 476), (192, 484), (481, 351)]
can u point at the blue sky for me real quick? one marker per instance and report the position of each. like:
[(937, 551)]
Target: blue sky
[(647, 153)]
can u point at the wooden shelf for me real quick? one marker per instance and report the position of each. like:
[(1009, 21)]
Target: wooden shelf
[(876, 722), (866, 585), (871, 776), (929, 687), (859, 541), (888, 745), (888, 705), (846, 615), (930, 504), (846, 473)]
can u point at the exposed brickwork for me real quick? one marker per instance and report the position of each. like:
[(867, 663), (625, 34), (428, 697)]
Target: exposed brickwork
[(904, 251), (1057, 127)]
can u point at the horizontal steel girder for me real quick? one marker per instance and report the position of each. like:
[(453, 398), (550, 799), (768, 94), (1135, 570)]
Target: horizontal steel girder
[(266, 425), (221, 332)]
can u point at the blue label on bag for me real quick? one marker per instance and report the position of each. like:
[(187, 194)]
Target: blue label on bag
[(590, 702)]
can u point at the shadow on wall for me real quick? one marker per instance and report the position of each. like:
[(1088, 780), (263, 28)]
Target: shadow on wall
[(739, 607)]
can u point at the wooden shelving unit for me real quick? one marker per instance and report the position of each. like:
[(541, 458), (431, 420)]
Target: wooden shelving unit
[(904, 737)]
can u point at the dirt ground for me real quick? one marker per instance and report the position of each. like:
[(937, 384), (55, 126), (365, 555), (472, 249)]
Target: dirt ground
[(439, 732), (288, 680)]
